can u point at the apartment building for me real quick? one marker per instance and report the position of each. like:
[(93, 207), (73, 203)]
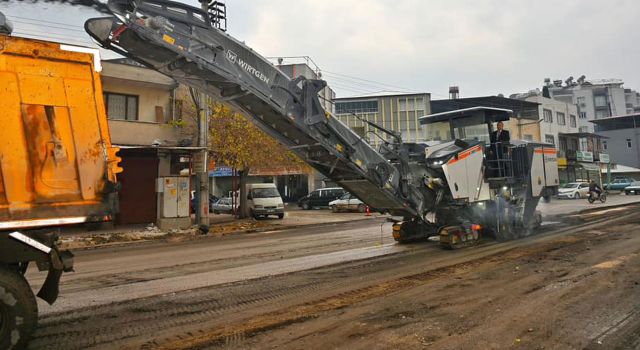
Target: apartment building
[(596, 98), (141, 106)]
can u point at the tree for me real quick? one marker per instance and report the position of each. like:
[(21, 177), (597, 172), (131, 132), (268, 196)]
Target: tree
[(234, 141)]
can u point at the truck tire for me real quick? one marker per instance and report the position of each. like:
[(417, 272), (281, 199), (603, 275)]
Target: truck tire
[(18, 310)]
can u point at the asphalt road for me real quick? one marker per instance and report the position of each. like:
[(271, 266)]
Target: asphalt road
[(111, 275), (146, 295)]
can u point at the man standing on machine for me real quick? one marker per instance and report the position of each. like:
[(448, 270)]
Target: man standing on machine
[(499, 140)]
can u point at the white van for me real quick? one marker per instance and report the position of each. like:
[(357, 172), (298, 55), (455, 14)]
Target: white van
[(264, 200)]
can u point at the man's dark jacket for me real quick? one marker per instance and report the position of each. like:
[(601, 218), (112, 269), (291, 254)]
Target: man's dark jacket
[(503, 137)]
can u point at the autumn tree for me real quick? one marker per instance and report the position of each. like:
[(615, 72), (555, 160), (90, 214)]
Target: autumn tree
[(236, 142)]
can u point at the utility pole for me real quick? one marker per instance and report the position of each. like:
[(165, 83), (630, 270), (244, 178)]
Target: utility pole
[(200, 163), (216, 11)]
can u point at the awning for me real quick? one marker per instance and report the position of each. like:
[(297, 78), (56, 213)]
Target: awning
[(590, 166)]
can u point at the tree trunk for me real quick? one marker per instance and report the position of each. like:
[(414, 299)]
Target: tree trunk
[(244, 210)]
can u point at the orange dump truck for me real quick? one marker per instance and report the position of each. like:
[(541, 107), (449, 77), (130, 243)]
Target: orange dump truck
[(57, 167)]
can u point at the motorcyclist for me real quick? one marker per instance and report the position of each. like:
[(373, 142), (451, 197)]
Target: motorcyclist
[(594, 187)]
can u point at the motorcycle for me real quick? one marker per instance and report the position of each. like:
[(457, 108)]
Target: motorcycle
[(593, 196)]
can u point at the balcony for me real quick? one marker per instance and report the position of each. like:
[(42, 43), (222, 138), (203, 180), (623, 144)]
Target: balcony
[(138, 133), (572, 155)]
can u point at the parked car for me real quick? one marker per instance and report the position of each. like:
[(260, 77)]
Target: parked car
[(264, 200), (347, 203), (223, 206), (573, 190), (634, 188), (320, 197), (618, 184)]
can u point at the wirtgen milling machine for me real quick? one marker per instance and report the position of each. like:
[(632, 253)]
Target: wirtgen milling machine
[(455, 189)]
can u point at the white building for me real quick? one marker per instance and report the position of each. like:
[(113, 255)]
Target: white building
[(558, 118), (596, 99)]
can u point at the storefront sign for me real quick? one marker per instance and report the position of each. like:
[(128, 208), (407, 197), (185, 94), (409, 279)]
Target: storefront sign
[(584, 156), (221, 171)]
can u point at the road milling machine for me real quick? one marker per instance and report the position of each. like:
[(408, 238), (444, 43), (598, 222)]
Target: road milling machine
[(454, 189)]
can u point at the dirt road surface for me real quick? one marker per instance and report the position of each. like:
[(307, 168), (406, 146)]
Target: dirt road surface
[(574, 285)]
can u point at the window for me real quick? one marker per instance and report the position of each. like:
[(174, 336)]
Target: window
[(357, 107), (583, 129), (629, 143), (402, 105), (583, 115), (600, 100), (572, 121), (602, 114), (121, 107), (604, 145), (411, 104), (561, 118), (548, 117), (581, 102), (550, 139)]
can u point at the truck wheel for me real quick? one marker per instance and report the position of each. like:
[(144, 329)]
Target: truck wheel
[(18, 310), (280, 216)]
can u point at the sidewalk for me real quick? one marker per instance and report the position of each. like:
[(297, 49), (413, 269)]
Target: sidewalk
[(568, 206), (220, 225)]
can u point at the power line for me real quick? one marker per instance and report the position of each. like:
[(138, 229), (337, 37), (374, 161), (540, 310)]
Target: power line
[(367, 80), (42, 20), (48, 26), (371, 87), (53, 37)]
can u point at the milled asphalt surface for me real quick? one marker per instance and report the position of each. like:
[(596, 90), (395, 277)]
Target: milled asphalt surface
[(110, 275)]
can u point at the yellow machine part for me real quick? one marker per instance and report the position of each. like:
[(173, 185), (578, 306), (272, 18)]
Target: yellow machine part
[(56, 158)]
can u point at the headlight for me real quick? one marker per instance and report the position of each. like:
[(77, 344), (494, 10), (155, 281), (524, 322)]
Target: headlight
[(280, 205)]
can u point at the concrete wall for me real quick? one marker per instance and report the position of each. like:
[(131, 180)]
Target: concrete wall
[(520, 129), (134, 133), (617, 146)]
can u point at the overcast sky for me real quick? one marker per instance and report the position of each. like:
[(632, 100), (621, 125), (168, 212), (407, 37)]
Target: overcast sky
[(486, 47)]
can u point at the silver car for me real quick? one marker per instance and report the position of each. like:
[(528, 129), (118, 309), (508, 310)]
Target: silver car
[(223, 206), (573, 190), (347, 203), (634, 188)]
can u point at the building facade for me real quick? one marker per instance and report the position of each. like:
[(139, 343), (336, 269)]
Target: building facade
[(397, 113), (596, 99), (622, 141), (140, 107)]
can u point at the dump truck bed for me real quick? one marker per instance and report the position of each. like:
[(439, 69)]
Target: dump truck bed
[(57, 165)]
